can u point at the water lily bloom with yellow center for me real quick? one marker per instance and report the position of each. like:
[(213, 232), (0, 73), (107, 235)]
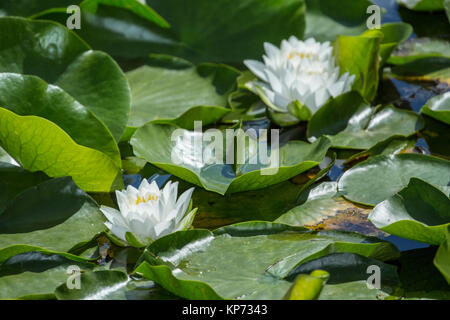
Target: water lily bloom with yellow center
[(149, 213), (305, 71)]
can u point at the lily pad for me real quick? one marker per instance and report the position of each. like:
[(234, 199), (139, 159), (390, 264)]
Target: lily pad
[(379, 178), (40, 145), (420, 48), (438, 107), (14, 180), (29, 272), (245, 261), (326, 209), (391, 146), (112, 285), (348, 277), (423, 5), (442, 259), (170, 91), (326, 19), (423, 60), (27, 8), (447, 8), (393, 34), (419, 212), (92, 78), (237, 32), (63, 216), (154, 143), (350, 123), (359, 55), (420, 279), (32, 96)]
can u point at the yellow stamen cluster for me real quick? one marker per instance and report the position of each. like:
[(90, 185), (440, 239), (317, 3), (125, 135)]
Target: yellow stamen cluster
[(143, 200), (299, 54)]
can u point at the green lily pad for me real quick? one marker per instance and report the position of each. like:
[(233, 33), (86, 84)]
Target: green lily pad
[(422, 59), (423, 5), (393, 34), (379, 178), (135, 6), (348, 277), (390, 146), (213, 31), (154, 143), (62, 216), (447, 8), (25, 8), (420, 48), (419, 212), (245, 261), (326, 209), (169, 92), (442, 259), (40, 145), (29, 272), (359, 55), (92, 78), (438, 107), (14, 180), (350, 123), (112, 285), (326, 19), (420, 279), (32, 96)]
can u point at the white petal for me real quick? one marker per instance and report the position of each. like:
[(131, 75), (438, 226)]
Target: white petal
[(258, 68), (114, 216), (271, 51), (116, 230), (183, 203)]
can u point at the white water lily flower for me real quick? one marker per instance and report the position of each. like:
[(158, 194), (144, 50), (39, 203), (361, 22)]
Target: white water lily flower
[(149, 213), (305, 71)]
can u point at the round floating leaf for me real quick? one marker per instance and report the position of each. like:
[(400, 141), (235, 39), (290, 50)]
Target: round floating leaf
[(419, 276), (14, 180), (390, 146), (420, 48), (381, 177), (58, 56), (325, 209), (447, 8), (40, 145), (169, 89), (438, 107), (158, 145), (30, 95), (215, 210), (135, 6), (62, 216), (348, 277), (30, 272), (423, 5), (326, 19), (30, 7), (419, 212), (422, 59), (245, 261), (442, 259), (359, 55), (393, 34), (200, 30), (112, 285), (350, 123)]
